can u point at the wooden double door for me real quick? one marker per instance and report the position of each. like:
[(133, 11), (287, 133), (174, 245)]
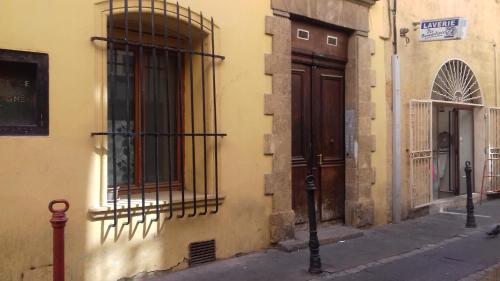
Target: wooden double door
[(318, 142)]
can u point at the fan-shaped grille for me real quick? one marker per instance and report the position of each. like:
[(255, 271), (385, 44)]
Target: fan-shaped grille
[(456, 82)]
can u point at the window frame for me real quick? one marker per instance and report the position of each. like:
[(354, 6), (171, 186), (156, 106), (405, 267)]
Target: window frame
[(140, 77)]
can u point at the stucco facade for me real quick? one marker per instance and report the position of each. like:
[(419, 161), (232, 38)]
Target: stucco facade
[(67, 163), (421, 61), (254, 109)]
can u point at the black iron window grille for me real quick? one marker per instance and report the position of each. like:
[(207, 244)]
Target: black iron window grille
[(162, 136)]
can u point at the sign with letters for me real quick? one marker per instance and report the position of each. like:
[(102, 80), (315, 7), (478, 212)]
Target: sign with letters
[(443, 29), (17, 93), (23, 93)]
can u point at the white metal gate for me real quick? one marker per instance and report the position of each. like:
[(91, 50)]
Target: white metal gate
[(493, 162), (420, 153)]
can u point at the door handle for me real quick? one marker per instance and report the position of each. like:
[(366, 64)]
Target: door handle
[(320, 156)]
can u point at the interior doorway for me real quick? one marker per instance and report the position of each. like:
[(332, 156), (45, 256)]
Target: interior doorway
[(319, 55), (453, 145)]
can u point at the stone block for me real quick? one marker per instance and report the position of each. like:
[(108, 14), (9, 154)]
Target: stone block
[(372, 46), (359, 213), (373, 111), (373, 78), (352, 14), (364, 126), (268, 144), (282, 84), (374, 175), (268, 184), (373, 141), (282, 226), (275, 63)]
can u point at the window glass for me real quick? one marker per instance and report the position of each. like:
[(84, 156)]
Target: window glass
[(158, 110), (117, 105), (162, 118)]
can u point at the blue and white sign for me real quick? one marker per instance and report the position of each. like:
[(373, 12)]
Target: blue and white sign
[(443, 29)]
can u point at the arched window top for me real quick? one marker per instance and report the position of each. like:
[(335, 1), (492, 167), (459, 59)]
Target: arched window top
[(456, 82)]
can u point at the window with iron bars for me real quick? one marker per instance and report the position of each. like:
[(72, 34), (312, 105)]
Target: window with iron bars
[(162, 137)]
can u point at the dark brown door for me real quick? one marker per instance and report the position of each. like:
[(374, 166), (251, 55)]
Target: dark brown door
[(455, 173), (318, 113)]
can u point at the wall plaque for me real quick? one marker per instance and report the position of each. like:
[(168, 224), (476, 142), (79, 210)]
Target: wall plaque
[(24, 87), (443, 29), (350, 130)]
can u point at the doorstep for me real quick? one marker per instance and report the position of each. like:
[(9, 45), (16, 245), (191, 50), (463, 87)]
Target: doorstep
[(454, 202), (327, 234)]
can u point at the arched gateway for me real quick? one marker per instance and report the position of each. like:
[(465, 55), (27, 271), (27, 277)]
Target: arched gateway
[(442, 134)]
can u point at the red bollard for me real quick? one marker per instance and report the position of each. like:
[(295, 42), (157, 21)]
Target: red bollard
[(58, 222)]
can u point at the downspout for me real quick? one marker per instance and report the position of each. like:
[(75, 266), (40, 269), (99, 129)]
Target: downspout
[(495, 62), (396, 125)]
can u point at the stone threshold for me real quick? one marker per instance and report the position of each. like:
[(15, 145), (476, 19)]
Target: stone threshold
[(327, 234)]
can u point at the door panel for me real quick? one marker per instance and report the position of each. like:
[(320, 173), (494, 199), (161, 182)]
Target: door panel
[(318, 109), (332, 191), (454, 149), (466, 145), (328, 117), (301, 120)]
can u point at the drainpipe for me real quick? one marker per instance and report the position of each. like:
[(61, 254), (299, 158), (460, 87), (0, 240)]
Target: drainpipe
[(496, 72), (396, 125)]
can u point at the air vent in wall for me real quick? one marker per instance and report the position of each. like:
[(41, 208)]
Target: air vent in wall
[(331, 40), (302, 34), (201, 252)]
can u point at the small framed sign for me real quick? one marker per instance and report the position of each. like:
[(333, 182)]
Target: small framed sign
[(443, 29), (24, 93)]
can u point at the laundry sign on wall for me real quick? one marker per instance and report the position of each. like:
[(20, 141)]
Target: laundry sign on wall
[(443, 29)]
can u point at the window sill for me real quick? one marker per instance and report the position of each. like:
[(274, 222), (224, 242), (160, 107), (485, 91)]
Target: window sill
[(106, 212)]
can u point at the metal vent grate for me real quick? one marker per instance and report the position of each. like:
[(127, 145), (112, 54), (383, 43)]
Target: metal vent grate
[(201, 252)]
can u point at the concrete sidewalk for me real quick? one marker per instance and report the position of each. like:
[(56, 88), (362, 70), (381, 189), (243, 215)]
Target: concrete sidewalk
[(435, 247)]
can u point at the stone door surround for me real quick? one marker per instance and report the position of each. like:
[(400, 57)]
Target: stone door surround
[(347, 14)]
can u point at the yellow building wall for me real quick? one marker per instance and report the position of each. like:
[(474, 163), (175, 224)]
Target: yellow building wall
[(67, 163), (380, 157), (420, 61)]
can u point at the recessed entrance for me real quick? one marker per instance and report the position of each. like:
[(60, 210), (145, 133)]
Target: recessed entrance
[(442, 136), (453, 145), (318, 106)]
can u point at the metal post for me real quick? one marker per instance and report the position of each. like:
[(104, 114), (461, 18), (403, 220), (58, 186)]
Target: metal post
[(58, 222), (314, 258), (396, 141), (471, 221)]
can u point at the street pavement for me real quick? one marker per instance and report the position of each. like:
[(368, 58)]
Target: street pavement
[(434, 247)]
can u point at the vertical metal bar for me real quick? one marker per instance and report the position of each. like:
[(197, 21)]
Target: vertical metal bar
[(155, 112), (470, 220), (165, 43), (111, 101), (451, 144), (497, 145), (181, 111), (430, 146), (215, 120), (204, 113), (193, 143), (127, 75), (142, 119), (412, 125)]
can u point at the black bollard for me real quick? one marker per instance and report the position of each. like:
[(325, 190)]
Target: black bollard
[(471, 220), (314, 258)]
